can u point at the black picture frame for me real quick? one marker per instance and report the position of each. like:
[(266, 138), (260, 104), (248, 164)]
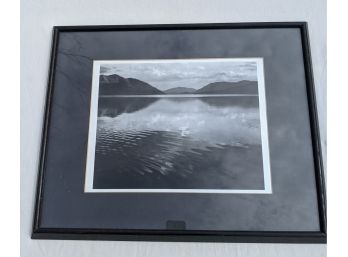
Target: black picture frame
[(185, 235)]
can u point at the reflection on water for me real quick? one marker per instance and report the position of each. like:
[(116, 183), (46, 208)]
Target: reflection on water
[(182, 143)]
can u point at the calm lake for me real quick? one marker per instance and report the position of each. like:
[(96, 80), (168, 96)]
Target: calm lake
[(178, 142)]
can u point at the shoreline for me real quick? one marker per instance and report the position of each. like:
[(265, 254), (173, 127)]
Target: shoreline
[(178, 95)]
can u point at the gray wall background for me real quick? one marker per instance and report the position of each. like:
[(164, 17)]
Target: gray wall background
[(37, 19)]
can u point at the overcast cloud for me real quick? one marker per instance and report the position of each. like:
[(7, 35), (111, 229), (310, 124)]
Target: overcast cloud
[(183, 74)]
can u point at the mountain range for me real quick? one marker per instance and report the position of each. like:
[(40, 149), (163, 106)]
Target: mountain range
[(117, 85), (180, 90), (240, 87)]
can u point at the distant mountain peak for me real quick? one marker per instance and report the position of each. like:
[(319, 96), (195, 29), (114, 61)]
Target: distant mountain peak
[(117, 85), (180, 90), (221, 87)]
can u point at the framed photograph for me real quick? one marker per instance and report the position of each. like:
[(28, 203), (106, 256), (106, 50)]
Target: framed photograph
[(194, 132)]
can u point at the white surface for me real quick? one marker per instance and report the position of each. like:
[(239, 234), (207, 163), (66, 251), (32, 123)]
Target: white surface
[(37, 19)]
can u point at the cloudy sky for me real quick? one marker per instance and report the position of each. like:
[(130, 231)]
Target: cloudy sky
[(193, 74)]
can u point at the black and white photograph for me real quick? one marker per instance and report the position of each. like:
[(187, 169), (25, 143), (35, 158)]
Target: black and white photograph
[(181, 126)]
